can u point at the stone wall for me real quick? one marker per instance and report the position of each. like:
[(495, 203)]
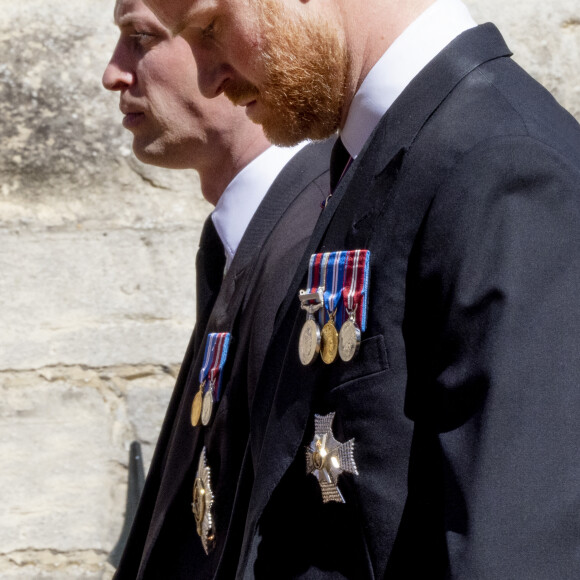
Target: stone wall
[(96, 293), (97, 281)]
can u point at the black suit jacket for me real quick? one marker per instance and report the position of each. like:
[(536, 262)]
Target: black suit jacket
[(467, 196), (163, 543)]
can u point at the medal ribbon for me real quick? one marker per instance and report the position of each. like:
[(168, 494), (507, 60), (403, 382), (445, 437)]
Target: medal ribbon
[(334, 284), (314, 278), (214, 359), (356, 283), (207, 356), (323, 269)]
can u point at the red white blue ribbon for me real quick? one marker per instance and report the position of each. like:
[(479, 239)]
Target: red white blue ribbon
[(341, 274), (214, 359), (315, 281), (333, 285), (355, 287)]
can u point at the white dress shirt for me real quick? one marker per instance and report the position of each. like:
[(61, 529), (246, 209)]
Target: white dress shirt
[(241, 198), (419, 43)]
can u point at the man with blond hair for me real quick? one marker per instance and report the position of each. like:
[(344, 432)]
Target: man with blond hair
[(457, 212), (267, 200)]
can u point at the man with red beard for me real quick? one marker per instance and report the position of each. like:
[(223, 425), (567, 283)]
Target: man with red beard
[(453, 248), (267, 200)]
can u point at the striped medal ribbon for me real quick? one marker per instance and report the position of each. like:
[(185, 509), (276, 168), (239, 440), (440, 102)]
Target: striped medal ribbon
[(334, 281), (354, 301), (214, 359), (312, 301)]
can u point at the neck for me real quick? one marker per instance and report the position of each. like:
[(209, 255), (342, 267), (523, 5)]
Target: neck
[(381, 23), (218, 172)]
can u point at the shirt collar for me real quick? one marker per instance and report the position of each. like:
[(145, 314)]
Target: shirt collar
[(241, 198), (419, 43)]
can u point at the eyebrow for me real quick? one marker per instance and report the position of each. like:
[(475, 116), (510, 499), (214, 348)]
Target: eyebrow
[(197, 13), (132, 19), (126, 19)]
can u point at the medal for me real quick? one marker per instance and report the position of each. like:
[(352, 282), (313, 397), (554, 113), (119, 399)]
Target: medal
[(348, 340), (309, 342), (329, 337), (327, 459), (196, 406), (333, 283), (311, 300), (354, 297), (202, 503), (207, 407), (214, 359)]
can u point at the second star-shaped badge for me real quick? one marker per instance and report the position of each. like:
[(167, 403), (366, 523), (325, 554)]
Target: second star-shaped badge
[(327, 458), (203, 502)]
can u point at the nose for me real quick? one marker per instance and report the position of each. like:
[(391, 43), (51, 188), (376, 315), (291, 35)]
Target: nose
[(213, 75), (118, 75)]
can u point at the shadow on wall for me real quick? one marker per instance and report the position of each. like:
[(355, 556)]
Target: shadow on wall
[(134, 490)]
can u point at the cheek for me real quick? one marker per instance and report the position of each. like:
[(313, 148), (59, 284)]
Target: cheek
[(244, 49), (174, 62), (170, 78), (248, 61)]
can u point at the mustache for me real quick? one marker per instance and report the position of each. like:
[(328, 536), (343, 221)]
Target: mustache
[(241, 91)]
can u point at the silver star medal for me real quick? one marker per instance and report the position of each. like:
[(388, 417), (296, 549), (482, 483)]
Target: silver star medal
[(326, 458), (202, 503)]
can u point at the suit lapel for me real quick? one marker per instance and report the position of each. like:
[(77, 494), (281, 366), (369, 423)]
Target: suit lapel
[(280, 414), (185, 440), (291, 181)]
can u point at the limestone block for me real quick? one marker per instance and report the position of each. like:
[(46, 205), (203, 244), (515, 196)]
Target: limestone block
[(64, 439), (59, 462), (96, 298)]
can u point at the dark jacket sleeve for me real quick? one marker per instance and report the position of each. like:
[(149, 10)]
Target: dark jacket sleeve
[(496, 295)]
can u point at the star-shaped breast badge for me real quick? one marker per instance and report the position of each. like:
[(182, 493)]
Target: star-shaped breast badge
[(326, 458), (202, 503)]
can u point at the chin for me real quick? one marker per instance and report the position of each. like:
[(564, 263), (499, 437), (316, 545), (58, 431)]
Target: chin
[(292, 133), (159, 155)]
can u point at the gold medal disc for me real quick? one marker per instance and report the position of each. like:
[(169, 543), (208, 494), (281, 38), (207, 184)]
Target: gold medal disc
[(348, 340), (196, 407), (207, 407), (329, 347), (309, 342)]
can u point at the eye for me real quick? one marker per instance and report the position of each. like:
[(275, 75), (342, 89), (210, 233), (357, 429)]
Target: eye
[(209, 31), (142, 38)]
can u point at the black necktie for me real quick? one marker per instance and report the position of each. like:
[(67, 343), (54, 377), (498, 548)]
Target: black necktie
[(209, 269), (339, 159)]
